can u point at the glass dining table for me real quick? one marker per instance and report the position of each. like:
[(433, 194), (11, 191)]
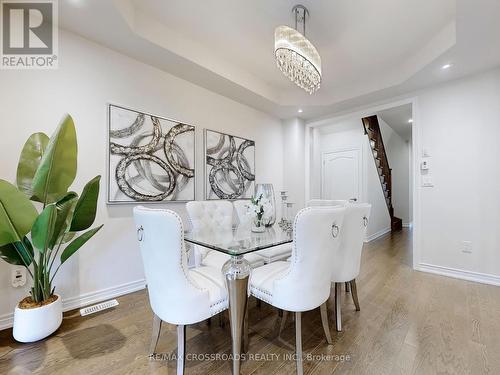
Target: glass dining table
[(236, 242)]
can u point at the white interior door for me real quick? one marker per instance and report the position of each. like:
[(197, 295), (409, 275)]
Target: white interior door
[(341, 177)]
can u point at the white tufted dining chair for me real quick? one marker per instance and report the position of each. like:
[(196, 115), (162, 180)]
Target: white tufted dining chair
[(325, 203), (328, 202), (214, 215), (270, 255), (303, 284), (241, 209), (177, 294), (346, 265)]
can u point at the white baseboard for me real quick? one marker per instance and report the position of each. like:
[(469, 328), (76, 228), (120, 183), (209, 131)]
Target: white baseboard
[(378, 234), (477, 277), (408, 225), (103, 294), (86, 299), (6, 321)]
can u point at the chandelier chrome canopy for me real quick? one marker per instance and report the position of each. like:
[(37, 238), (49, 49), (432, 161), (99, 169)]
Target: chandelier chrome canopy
[(295, 55)]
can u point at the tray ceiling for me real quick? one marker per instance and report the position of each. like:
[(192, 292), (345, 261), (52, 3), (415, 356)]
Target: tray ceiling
[(369, 49)]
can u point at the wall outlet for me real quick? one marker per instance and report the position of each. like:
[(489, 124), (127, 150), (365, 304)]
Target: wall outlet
[(427, 181), (467, 247), (18, 277)]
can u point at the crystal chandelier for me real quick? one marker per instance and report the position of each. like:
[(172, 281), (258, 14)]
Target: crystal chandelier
[(295, 55)]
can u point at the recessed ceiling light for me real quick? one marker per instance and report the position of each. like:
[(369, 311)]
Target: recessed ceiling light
[(446, 66), (410, 121), (300, 111)]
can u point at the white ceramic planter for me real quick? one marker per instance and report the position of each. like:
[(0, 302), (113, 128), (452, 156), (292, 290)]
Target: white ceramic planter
[(36, 324)]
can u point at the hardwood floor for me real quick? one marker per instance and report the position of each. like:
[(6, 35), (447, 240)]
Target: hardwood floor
[(410, 323)]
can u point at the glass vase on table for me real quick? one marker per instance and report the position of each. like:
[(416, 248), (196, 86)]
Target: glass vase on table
[(266, 191), (258, 225), (257, 209)]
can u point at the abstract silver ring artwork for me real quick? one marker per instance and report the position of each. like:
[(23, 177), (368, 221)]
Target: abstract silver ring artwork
[(243, 164), (126, 187), (132, 129), (229, 166), (154, 159), (169, 145), (127, 150)]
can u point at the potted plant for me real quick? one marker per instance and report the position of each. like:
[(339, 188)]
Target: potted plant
[(40, 221)]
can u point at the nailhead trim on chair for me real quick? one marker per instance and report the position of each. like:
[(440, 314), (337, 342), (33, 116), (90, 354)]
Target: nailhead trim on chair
[(220, 305), (294, 253), (183, 253), (260, 297), (220, 309), (182, 247), (294, 256), (196, 286), (262, 291)]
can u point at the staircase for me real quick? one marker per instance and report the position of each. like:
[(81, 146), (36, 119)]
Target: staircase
[(372, 130)]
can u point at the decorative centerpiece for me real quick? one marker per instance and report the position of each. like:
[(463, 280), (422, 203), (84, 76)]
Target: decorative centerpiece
[(40, 221), (257, 209), (267, 193), (286, 223)]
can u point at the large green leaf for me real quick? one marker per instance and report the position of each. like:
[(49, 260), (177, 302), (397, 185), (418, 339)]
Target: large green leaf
[(86, 208), (17, 253), (30, 159), (25, 249), (17, 214), (9, 253), (57, 169), (64, 214), (77, 243), (43, 227), (68, 237)]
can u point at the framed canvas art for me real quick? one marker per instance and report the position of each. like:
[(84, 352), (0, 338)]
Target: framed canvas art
[(150, 158), (229, 166)]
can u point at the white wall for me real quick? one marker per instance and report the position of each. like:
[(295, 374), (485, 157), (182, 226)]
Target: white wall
[(458, 124), (410, 178), (294, 162), (398, 155), (88, 77), (460, 128), (349, 134)]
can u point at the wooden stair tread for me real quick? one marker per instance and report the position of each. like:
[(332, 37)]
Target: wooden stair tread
[(396, 223), (372, 130)]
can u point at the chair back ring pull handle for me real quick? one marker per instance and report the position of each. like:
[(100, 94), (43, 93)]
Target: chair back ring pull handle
[(335, 230), (365, 221), (140, 233)]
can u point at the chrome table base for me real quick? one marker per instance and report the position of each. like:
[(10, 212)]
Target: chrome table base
[(237, 272)]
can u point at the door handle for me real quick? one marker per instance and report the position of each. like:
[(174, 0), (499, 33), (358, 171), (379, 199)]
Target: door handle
[(353, 199)]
